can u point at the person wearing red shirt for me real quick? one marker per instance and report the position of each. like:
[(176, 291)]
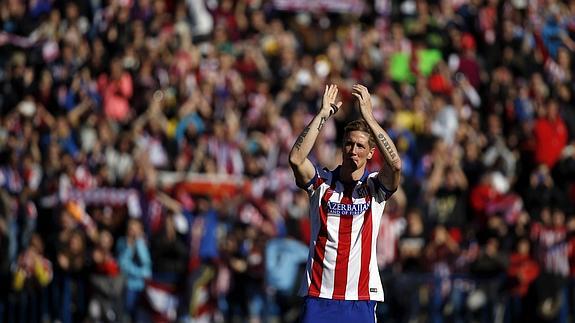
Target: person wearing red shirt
[(521, 271), (342, 282), (550, 135)]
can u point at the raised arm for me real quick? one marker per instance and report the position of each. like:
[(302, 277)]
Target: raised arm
[(389, 174), (298, 158)]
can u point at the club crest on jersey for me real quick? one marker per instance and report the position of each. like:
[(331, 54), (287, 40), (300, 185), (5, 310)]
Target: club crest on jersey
[(362, 190), (347, 209)]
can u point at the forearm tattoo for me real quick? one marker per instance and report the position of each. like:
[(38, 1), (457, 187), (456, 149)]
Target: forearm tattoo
[(301, 137), (387, 146), (321, 123)]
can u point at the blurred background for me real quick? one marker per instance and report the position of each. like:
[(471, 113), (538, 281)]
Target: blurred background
[(143, 155)]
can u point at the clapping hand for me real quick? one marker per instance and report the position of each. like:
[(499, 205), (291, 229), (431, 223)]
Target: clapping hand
[(364, 98), (329, 104)]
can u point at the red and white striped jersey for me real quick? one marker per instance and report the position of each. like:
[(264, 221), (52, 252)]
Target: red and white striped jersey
[(345, 220)]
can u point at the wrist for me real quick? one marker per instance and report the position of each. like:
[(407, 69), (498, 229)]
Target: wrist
[(325, 112)]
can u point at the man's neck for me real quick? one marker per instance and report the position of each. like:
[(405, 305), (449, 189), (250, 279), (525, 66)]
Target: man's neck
[(349, 176)]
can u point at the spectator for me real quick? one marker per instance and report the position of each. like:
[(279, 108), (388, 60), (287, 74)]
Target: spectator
[(32, 274), (552, 254), (446, 189), (284, 260), (411, 247), (170, 260), (440, 255), (4, 268), (72, 276), (542, 192), (522, 271), (105, 304), (116, 89), (169, 253), (135, 263), (489, 269), (550, 134)]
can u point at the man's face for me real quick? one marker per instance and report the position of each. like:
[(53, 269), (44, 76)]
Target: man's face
[(356, 149)]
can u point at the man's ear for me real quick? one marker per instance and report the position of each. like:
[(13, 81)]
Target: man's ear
[(371, 152)]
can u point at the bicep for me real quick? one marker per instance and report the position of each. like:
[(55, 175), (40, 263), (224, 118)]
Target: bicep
[(389, 180), (378, 190), (303, 172)]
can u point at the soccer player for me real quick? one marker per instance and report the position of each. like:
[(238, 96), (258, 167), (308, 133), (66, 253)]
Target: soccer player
[(342, 282)]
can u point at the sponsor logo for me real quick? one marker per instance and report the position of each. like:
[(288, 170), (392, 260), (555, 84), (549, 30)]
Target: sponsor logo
[(347, 209), (373, 290)]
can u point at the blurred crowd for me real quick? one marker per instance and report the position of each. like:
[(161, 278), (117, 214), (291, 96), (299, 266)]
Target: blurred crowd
[(113, 112)]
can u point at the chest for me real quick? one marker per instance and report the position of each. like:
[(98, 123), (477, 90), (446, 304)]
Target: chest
[(350, 201)]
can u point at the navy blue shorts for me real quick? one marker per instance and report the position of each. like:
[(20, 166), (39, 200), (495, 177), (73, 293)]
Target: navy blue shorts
[(321, 310)]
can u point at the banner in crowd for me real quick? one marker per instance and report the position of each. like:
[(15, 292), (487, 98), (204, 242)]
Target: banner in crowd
[(214, 185), (96, 196), (350, 6), (224, 185)]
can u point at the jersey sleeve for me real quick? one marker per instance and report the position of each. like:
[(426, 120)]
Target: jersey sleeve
[(377, 189), (321, 176)]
